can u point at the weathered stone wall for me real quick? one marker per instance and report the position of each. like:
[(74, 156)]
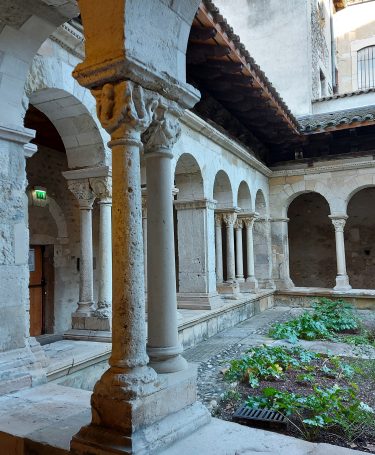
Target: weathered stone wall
[(321, 47), (13, 247), (337, 181), (46, 226), (311, 242)]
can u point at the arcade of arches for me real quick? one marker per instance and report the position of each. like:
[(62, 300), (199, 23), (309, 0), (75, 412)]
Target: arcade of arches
[(130, 217)]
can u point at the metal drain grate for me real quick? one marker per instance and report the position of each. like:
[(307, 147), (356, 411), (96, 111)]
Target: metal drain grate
[(258, 417)]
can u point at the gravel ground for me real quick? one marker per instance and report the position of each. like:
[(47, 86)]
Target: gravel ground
[(234, 342)]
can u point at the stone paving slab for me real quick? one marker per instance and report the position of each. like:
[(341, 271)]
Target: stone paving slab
[(225, 438), (52, 414)]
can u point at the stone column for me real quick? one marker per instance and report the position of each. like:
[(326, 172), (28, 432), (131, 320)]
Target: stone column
[(163, 346), (251, 281), (342, 279), (280, 253), (125, 110), (197, 280), (239, 253), (102, 188), (219, 248), (144, 230), (229, 220), (85, 197)]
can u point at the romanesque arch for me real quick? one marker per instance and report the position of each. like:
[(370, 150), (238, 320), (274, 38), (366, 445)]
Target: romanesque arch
[(244, 197), (222, 191), (188, 178), (311, 241), (360, 239)]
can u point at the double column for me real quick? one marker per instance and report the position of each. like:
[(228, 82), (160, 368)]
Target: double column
[(251, 281), (102, 187), (230, 285), (87, 185), (163, 346), (85, 197), (342, 279)]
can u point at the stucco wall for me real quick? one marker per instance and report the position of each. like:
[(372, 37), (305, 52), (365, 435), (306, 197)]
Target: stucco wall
[(354, 29), (277, 35)]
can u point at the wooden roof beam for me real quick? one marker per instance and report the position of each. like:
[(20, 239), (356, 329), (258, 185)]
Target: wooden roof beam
[(202, 33), (199, 53)]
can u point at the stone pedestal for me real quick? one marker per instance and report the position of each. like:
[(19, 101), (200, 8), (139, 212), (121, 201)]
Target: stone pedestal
[(197, 281), (263, 253), (280, 254), (166, 413), (342, 279)]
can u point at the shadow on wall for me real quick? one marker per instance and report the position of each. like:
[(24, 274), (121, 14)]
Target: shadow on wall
[(360, 240), (312, 254)]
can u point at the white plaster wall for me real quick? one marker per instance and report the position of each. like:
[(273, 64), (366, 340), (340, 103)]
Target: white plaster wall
[(277, 35)]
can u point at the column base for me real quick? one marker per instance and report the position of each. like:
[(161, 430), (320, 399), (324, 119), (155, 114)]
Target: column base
[(342, 283), (166, 360), (250, 285), (145, 423), (284, 284), (266, 283), (90, 322), (198, 301), (229, 290), (240, 279)]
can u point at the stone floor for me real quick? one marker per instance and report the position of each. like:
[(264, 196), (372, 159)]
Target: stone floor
[(43, 419)]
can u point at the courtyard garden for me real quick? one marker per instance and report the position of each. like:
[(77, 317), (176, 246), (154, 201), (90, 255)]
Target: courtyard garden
[(316, 370)]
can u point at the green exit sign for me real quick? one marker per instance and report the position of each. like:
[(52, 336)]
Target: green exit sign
[(40, 194)]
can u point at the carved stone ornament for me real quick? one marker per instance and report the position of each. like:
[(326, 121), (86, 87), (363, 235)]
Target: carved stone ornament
[(238, 224), (229, 219), (165, 130), (83, 193), (249, 221), (339, 224), (124, 106), (218, 219), (102, 187)]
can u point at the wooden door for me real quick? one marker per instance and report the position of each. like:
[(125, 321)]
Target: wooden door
[(36, 289)]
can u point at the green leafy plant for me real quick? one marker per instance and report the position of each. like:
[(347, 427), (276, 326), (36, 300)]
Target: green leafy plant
[(336, 315), (327, 318), (268, 362), (334, 408)]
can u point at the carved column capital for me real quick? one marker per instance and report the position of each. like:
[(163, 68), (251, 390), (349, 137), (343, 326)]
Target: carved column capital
[(238, 224), (338, 222), (229, 219), (218, 219), (125, 109), (165, 129), (83, 193), (102, 188)]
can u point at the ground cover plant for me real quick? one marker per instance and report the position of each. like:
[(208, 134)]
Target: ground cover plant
[(329, 319), (324, 398)]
